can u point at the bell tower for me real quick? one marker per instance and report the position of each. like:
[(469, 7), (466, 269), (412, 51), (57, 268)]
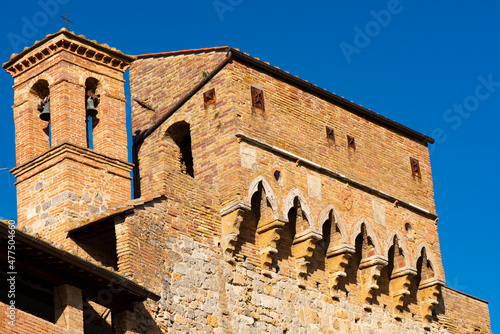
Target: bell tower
[(70, 125)]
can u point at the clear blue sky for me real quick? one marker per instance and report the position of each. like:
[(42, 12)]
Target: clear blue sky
[(431, 65)]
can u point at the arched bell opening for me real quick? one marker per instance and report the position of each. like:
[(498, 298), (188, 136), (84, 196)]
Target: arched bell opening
[(39, 98), (92, 100)]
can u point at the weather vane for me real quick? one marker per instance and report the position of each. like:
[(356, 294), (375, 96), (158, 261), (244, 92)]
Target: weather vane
[(66, 18)]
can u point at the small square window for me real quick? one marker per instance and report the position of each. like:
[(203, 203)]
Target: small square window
[(257, 98), (330, 133), (350, 142), (209, 97), (415, 167)]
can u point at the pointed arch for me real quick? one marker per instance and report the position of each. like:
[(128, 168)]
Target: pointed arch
[(369, 231), (323, 217), (303, 204), (389, 241), (271, 198), (430, 257)]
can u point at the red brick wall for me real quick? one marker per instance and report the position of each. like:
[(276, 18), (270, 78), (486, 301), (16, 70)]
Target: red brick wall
[(26, 323), (463, 313), (295, 120)]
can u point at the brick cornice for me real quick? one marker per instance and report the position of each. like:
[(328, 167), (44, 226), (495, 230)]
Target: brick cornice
[(68, 41), (70, 151)]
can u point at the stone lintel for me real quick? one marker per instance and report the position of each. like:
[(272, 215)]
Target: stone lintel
[(340, 249), (240, 204), (307, 234), (373, 261)]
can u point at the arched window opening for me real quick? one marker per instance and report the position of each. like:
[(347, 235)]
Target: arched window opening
[(181, 135), (331, 234), (92, 100), (40, 95)]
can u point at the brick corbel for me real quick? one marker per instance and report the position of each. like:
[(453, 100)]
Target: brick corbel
[(428, 293), (399, 286), (269, 235), (232, 216), (304, 244), (370, 272), (337, 259)]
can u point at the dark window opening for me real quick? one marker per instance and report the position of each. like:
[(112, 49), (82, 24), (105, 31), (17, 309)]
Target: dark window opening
[(257, 98), (100, 244), (277, 175), (350, 142), (32, 295), (181, 135), (415, 167), (330, 133)]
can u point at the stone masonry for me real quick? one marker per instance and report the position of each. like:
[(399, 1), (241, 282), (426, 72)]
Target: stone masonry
[(267, 205)]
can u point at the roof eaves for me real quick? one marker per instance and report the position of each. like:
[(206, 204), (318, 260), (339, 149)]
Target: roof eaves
[(114, 212), (81, 38), (190, 51), (78, 262)]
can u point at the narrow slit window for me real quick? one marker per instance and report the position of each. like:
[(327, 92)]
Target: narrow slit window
[(330, 133), (351, 143), (415, 167), (258, 98)]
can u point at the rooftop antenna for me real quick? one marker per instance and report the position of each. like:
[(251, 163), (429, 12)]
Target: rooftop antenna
[(66, 18), (5, 167)]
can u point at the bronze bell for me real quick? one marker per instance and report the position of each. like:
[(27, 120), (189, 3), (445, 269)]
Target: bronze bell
[(91, 110), (45, 114)]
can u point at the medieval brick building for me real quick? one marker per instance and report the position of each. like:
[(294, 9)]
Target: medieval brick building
[(264, 204)]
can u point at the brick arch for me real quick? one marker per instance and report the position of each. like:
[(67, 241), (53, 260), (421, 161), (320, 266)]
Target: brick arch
[(389, 241), (86, 75), (430, 257), (356, 230), (271, 198), (323, 216), (176, 118), (303, 204), (41, 76)]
